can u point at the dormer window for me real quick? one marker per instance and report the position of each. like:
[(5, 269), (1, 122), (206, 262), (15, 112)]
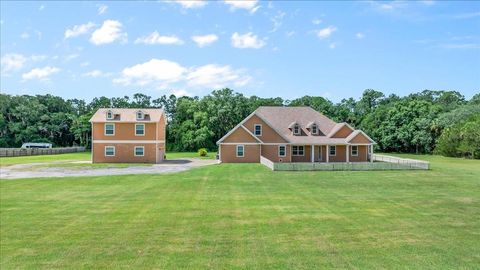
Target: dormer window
[(109, 115), (257, 129), (296, 129), (140, 115), (314, 129)]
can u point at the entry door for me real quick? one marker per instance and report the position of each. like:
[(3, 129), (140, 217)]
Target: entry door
[(161, 154)]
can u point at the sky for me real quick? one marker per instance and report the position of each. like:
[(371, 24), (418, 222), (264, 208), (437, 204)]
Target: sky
[(269, 49)]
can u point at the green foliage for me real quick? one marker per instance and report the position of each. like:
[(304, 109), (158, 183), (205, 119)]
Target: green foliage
[(202, 152), (461, 139)]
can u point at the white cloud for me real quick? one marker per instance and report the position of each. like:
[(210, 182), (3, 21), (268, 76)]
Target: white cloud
[(155, 70), (248, 40), (79, 30), (96, 74), (326, 32), (215, 76), (290, 33), (191, 3), (428, 2), (181, 93), (102, 9), (164, 73), (277, 20), (42, 7), (332, 45), (13, 61), (360, 35), (84, 64), (316, 21), (461, 46), (156, 38), (110, 31), (25, 35), (250, 5), (71, 56), (205, 40), (40, 73)]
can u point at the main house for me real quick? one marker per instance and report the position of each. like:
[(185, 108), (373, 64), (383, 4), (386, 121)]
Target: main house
[(294, 134), (128, 135)]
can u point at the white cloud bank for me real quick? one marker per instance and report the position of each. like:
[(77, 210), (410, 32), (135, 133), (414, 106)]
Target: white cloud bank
[(250, 5), (110, 31), (40, 73), (14, 61), (248, 40), (78, 30), (164, 73), (205, 40), (326, 32), (191, 3), (156, 38)]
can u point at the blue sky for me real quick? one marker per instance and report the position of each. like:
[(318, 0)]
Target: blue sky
[(286, 49)]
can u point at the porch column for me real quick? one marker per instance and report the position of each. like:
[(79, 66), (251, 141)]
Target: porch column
[(312, 153), (347, 154), (328, 152), (371, 152)]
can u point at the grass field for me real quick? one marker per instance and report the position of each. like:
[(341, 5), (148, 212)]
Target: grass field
[(244, 216)]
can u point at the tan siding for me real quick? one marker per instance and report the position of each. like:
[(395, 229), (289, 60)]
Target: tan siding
[(124, 153), (240, 135), (228, 154), (124, 131), (360, 138), (268, 134), (340, 154), (343, 132), (161, 129), (305, 158), (362, 154), (271, 152)]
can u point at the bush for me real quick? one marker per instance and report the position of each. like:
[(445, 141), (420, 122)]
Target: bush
[(202, 152)]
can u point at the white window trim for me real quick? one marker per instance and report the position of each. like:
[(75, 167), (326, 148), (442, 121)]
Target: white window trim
[(139, 118), (243, 151), (335, 150), (298, 150), (299, 129), (105, 151), (351, 151), (136, 129), (316, 129), (255, 129), (111, 117), (135, 151), (284, 151), (105, 129)]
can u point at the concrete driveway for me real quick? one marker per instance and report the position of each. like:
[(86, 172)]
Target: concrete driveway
[(34, 170)]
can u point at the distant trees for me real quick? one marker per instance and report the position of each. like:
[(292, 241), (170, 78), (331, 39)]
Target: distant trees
[(429, 121)]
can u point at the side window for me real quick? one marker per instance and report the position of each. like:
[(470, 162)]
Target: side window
[(139, 151), (314, 129), (354, 150), (240, 151), (258, 129), (296, 129), (298, 150), (109, 151), (139, 129), (333, 150), (109, 129), (282, 151)]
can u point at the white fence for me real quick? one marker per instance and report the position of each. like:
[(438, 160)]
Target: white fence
[(267, 162), (16, 152), (410, 163)]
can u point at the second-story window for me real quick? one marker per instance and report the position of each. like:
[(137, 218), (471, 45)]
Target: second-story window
[(296, 129), (314, 129), (139, 129), (258, 129), (139, 115), (109, 129), (109, 115)]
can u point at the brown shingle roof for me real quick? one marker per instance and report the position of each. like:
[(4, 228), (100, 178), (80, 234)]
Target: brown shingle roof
[(126, 115)]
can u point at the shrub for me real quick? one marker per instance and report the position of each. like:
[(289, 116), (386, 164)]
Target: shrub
[(202, 152)]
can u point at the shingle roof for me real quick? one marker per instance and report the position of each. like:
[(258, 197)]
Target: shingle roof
[(126, 115)]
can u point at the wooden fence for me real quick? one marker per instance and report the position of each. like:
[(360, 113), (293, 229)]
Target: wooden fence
[(406, 162), (16, 152)]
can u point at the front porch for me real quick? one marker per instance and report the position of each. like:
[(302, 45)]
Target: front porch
[(331, 153)]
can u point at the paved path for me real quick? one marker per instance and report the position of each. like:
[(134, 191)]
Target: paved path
[(32, 170)]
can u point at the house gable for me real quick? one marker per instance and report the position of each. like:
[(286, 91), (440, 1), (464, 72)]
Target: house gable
[(269, 135), (360, 138), (343, 132), (240, 135)]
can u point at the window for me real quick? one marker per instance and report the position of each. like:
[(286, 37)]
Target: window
[(354, 150), (314, 129), (109, 115), (139, 129), (282, 150), (333, 150), (139, 115), (298, 150), (109, 129), (139, 151), (257, 129), (240, 151), (296, 129), (109, 151)]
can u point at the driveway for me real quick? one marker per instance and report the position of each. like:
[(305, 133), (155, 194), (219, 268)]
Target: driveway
[(34, 170)]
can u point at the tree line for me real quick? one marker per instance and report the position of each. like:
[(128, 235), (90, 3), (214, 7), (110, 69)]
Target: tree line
[(441, 122)]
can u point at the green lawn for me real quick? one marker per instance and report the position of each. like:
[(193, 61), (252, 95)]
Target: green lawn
[(175, 155), (81, 156), (244, 216)]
